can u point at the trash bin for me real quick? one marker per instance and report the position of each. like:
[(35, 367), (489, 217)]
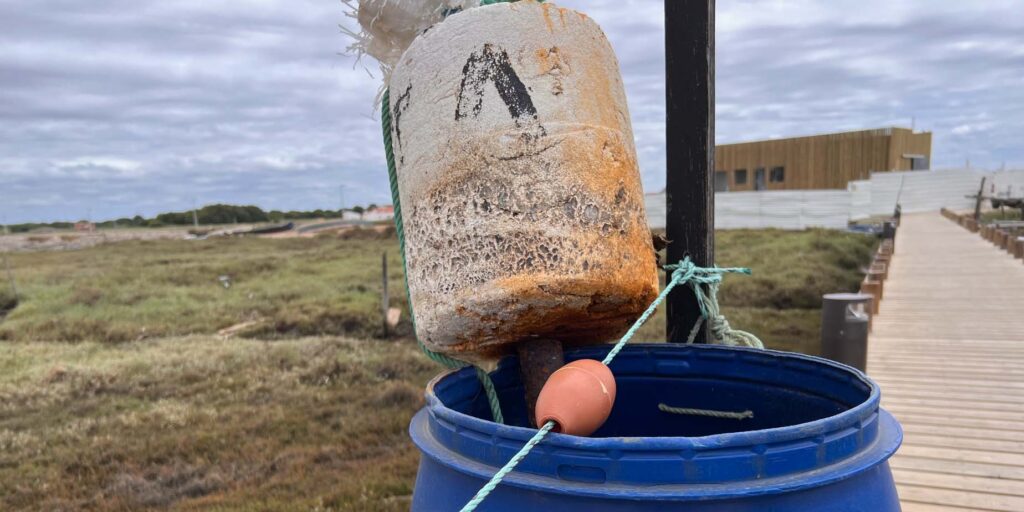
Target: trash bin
[(845, 321), (889, 232)]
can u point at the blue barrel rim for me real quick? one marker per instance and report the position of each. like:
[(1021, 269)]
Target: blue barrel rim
[(816, 427), (887, 443), (430, 426)]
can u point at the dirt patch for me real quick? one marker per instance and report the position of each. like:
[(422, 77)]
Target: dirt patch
[(383, 232), (164, 485), (86, 296), (8, 301), (68, 241)]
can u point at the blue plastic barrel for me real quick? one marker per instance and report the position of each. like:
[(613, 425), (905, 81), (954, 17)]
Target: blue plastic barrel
[(818, 440)]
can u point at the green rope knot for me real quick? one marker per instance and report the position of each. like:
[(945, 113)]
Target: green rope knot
[(705, 283), (719, 327)]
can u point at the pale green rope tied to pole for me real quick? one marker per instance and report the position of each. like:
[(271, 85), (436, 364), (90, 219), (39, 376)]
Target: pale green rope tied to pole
[(698, 279), (450, 362), (741, 415), (685, 272)]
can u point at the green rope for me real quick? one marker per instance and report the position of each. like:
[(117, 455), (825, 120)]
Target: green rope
[(711, 278), (450, 362), (741, 415), (685, 272)]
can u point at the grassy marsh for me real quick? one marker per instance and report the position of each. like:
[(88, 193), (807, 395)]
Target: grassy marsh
[(116, 394)]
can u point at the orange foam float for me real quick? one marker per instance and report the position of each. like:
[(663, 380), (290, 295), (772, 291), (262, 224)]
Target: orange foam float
[(578, 397)]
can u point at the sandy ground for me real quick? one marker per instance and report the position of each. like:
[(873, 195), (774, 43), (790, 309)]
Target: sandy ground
[(71, 240)]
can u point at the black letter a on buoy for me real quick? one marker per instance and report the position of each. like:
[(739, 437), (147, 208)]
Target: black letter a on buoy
[(492, 64)]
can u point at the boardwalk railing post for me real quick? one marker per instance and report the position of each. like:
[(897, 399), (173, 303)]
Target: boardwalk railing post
[(690, 149), (874, 289)]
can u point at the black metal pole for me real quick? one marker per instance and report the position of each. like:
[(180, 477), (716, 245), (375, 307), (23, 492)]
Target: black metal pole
[(690, 143)]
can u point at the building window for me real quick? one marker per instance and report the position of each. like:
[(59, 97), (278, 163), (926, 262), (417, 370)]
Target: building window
[(917, 162), (778, 175), (741, 176), (721, 181)]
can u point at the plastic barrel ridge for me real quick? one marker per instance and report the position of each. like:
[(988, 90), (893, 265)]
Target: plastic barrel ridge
[(521, 195), (818, 440)]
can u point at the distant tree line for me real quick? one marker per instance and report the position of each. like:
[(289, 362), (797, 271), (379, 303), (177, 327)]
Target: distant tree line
[(212, 214), (215, 214)]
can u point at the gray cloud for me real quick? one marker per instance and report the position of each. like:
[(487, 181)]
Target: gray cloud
[(121, 107)]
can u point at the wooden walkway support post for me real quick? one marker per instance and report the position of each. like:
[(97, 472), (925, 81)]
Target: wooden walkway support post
[(385, 299), (690, 149), (10, 277)]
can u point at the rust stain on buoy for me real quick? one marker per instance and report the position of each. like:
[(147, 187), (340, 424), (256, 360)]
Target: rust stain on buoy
[(546, 9)]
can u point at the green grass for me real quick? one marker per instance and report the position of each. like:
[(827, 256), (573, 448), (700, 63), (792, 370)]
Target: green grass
[(781, 301), (327, 286), (198, 422), (1005, 214), (115, 395), (151, 289)]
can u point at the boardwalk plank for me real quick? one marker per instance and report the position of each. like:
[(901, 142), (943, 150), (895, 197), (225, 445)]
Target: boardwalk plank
[(993, 471), (972, 499), (965, 455), (911, 506), (985, 444), (958, 482)]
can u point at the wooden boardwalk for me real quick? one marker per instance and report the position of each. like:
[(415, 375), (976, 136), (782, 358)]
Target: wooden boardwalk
[(948, 351)]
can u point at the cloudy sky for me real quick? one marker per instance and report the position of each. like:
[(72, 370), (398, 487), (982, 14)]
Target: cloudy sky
[(124, 107)]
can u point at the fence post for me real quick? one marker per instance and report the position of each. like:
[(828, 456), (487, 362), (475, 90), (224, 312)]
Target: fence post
[(385, 300), (874, 289), (690, 150), (10, 278)]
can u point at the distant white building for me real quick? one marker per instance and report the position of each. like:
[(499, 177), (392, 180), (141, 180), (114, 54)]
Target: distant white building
[(379, 213)]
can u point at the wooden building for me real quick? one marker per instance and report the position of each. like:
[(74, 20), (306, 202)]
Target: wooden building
[(828, 161)]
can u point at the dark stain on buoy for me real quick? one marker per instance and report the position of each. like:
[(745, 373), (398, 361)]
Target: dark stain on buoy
[(491, 64), (400, 106)]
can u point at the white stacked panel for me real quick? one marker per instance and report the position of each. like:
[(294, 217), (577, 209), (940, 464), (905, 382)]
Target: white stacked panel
[(860, 199), (917, 191)]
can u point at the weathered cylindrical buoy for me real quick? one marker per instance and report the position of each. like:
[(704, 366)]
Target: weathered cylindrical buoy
[(520, 191), (578, 397), (817, 441)]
